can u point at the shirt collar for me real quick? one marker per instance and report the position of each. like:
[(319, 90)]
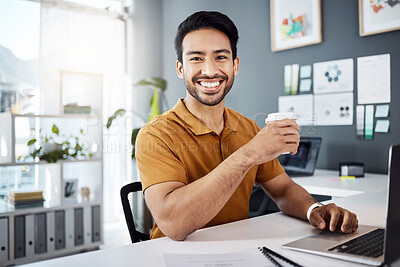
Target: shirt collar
[(195, 125)]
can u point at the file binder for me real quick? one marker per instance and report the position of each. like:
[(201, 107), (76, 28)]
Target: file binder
[(78, 226), (50, 231), (59, 229), (19, 236), (96, 226), (40, 233), (69, 228), (87, 225), (4, 242), (30, 234)]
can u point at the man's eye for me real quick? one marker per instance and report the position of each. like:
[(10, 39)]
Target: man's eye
[(221, 57), (195, 59)]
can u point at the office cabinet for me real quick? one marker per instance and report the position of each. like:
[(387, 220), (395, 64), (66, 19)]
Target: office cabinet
[(54, 229)]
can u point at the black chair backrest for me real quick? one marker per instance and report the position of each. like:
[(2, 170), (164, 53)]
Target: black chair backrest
[(136, 236)]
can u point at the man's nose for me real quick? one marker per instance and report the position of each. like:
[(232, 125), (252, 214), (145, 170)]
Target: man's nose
[(209, 68)]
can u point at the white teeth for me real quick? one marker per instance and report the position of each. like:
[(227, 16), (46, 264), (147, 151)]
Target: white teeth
[(209, 85)]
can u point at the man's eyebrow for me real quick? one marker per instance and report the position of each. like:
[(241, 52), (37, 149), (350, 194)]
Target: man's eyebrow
[(218, 51), (222, 51), (188, 53)]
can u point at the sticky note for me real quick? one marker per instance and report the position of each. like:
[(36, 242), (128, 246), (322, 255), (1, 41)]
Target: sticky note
[(369, 122), (305, 71), (295, 78), (288, 79), (382, 111), (360, 120), (305, 85), (382, 126)]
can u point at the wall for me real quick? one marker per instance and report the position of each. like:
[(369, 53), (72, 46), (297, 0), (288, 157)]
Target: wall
[(145, 52), (260, 79)]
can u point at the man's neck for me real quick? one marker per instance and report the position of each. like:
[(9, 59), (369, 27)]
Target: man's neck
[(210, 116)]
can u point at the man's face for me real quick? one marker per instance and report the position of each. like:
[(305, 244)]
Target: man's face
[(207, 66)]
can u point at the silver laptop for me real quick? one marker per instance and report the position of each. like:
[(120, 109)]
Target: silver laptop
[(304, 161), (370, 244)]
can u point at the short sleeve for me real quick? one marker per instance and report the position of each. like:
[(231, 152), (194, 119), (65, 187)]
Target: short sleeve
[(155, 159), (268, 171)]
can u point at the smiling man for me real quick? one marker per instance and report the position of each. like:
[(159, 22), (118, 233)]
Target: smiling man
[(198, 162)]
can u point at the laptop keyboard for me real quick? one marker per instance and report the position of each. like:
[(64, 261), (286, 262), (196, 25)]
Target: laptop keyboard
[(370, 245)]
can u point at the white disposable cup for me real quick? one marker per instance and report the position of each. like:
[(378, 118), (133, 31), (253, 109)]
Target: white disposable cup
[(280, 116)]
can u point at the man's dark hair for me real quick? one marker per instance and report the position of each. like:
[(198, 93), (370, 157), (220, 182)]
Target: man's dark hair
[(207, 19)]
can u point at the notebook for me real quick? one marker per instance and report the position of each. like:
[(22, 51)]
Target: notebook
[(304, 161), (381, 245), (257, 257)]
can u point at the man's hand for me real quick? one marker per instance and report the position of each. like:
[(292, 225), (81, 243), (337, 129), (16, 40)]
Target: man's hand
[(274, 139), (334, 217)]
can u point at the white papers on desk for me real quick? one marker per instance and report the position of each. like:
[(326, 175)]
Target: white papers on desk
[(333, 109), (373, 79), (251, 257), (300, 105), (333, 76)]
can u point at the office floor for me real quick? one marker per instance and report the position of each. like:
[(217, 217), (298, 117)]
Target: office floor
[(115, 235)]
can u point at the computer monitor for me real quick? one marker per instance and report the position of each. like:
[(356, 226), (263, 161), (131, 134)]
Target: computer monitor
[(304, 161)]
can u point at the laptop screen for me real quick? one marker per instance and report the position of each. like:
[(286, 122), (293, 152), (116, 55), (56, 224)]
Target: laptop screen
[(392, 233), (305, 160)]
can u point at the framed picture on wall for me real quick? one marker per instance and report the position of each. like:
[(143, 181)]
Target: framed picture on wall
[(295, 23), (378, 16)]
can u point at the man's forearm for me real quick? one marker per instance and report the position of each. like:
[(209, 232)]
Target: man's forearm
[(295, 201), (190, 207)]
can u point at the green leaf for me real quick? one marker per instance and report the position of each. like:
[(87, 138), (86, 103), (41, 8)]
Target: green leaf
[(119, 112), (31, 142), (154, 109), (155, 81), (55, 130), (135, 133)]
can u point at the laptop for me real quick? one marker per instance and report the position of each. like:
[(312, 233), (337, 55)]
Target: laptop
[(304, 161), (370, 244)]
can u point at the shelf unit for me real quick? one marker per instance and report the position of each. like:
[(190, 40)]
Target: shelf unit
[(62, 226)]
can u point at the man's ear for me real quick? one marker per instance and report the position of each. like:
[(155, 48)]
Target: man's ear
[(236, 66), (179, 69)]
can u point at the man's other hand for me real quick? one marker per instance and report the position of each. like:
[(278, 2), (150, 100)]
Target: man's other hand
[(334, 218)]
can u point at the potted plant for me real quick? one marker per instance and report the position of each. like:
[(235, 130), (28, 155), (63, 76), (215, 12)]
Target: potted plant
[(158, 85), (55, 146)]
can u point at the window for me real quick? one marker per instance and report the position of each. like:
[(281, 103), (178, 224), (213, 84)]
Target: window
[(19, 56)]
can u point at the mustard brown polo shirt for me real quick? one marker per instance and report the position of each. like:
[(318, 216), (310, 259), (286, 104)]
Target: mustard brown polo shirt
[(176, 146)]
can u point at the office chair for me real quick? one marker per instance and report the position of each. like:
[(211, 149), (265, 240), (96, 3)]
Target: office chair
[(136, 236)]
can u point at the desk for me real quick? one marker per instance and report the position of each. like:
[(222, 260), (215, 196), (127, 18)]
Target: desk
[(365, 196)]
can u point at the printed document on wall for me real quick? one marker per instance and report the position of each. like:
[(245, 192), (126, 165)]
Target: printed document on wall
[(373, 79), (333, 76), (300, 105), (333, 109)]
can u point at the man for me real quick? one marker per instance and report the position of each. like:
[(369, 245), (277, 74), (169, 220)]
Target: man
[(198, 162)]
